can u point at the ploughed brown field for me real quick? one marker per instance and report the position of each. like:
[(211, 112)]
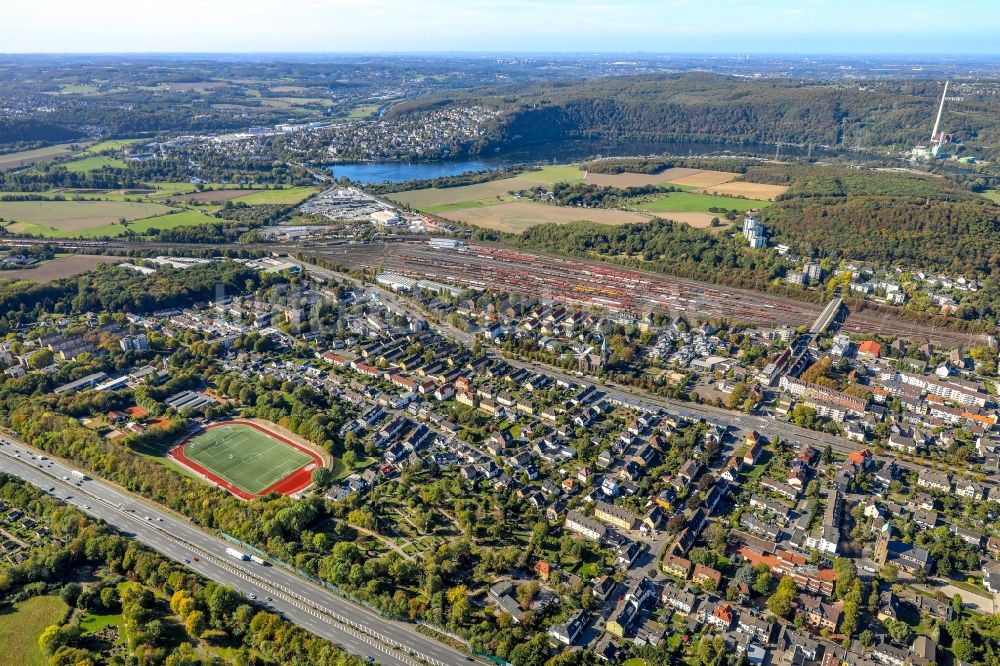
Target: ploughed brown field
[(748, 190), (698, 180), (60, 267)]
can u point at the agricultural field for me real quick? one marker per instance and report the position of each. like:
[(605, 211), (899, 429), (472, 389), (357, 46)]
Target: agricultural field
[(694, 219), (184, 218), (197, 86), (750, 190), (166, 188), (28, 157), (516, 216), (212, 196), (92, 163), (110, 145), (699, 180), (310, 101), (20, 629), (667, 177), (285, 90), (72, 218), (59, 267), (247, 459), (98, 213), (287, 196), (494, 191), (693, 202), (462, 205), (362, 112), (77, 89)]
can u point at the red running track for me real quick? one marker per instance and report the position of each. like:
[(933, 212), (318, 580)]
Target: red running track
[(293, 483)]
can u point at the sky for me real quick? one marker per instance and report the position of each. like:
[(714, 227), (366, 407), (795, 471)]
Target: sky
[(501, 26)]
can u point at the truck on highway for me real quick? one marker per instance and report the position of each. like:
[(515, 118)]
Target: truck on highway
[(239, 555), (259, 560), (78, 474)]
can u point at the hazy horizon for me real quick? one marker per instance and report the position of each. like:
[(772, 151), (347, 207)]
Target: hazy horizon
[(515, 27)]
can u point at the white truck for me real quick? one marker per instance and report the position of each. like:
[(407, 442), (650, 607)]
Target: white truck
[(78, 474), (259, 560), (239, 555)]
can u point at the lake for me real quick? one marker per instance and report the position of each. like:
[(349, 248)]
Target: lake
[(396, 172), (557, 152)]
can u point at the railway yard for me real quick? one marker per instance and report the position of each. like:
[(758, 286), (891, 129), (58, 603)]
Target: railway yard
[(573, 281), (611, 288)]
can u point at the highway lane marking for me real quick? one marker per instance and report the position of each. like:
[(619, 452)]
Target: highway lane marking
[(348, 626)]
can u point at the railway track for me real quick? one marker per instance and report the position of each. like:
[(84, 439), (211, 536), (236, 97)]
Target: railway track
[(586, 284), (573, 281), (611, 288)]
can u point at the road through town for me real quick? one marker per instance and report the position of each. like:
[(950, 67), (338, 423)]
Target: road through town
[(741, 424)]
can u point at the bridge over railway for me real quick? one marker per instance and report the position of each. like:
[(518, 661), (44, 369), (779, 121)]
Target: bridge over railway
[(827, 316)]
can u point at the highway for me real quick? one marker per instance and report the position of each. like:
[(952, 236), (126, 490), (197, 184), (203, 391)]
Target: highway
[(313, 608)]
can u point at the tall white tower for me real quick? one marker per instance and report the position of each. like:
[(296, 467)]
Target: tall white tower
[(937, 123)]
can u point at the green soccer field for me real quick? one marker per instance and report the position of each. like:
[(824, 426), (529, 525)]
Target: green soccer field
[(244, 456)]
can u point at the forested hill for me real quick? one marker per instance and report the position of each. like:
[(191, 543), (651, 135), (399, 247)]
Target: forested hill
[(708, 107), (886, 218)]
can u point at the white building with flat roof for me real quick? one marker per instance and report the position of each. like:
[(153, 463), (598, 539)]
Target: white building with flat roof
[(385, 217)]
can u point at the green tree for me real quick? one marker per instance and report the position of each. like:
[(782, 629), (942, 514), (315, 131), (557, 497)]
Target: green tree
[(56, 636), (762, 583), (70, 593), (780, 603), (712, 651), (534, 652), (195, 623), (899, 631), (40, 359), (322, 477), (849, 618), (847, 573), (964, 650), (889, 573)]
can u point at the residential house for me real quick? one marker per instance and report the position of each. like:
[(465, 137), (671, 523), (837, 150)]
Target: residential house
[(567, 632), (588, 527), (615, 515)]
